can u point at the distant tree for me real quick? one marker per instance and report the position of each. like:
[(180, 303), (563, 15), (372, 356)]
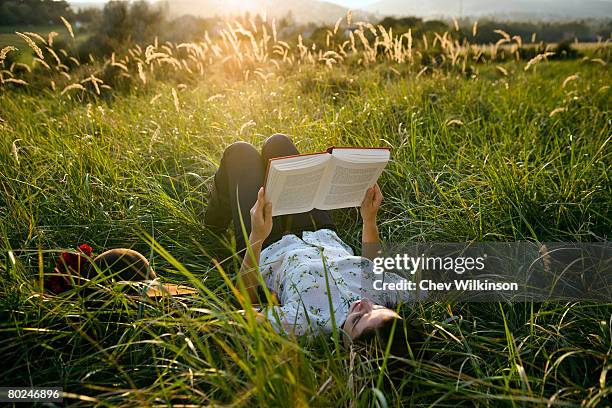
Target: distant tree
[(401, 25), (434, 26), (555, 32), (123, 24), (33, 12), (88, 15), (286, 21)]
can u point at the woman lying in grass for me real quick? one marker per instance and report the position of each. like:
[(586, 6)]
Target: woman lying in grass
[(316, 277), (314, 274)]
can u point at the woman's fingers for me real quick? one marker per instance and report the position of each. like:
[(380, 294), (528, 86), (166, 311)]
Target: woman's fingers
[(259, 205), (268, 212), (369, 195), (378, 194), (261, 196), (262, 209), (257, 209)]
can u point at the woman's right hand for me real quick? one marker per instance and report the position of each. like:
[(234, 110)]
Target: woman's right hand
[(370, 204), (261, 218)]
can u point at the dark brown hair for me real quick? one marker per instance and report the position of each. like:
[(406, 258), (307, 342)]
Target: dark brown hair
[(406, 337)]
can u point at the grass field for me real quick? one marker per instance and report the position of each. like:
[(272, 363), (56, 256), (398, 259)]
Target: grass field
[(8, 37), (492, 155)]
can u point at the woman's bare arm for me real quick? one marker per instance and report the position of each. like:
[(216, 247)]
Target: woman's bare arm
[(249, 271), (261, 227), (370, 240)]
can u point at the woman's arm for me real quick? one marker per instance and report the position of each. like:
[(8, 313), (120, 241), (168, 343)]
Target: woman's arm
[(249, 270), (261, 227), (370, 240)]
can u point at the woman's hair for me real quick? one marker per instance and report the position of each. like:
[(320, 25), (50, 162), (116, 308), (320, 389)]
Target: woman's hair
[(405, 335)]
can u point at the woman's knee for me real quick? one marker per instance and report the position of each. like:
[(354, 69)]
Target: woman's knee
[(278, 139), (241, 151), (278, 145)]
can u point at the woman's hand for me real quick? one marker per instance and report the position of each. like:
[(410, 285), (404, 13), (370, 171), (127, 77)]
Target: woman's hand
[(261, 218), (370, 204), (370, 239)]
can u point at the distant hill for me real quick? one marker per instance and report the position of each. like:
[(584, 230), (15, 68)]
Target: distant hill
[(302, 11), (515, 9), (76, 5)]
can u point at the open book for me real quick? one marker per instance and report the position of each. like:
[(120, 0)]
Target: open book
[(337, 178)]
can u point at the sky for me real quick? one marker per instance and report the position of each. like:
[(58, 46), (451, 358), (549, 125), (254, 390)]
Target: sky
[(361, 3), (352, 3)]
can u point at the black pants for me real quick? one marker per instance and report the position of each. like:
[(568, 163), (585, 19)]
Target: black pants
[(237, 181)]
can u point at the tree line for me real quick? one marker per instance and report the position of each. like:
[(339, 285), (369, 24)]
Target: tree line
[(119, 24), (33, 12)]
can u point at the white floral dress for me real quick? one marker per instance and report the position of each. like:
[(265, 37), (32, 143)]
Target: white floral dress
[(296, 269)]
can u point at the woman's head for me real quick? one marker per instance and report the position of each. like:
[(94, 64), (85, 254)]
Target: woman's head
[(364, 316), (370, 323)]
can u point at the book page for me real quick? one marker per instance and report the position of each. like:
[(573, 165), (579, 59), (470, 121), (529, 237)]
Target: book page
[(292, 189), (347, 183)]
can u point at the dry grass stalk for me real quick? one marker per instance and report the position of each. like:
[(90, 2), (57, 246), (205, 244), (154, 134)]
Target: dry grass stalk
[(14, 150), (37, 36), (247, 125), (141, 73), (23, 66), (36, 60), (15, 81), (71, 87), (537, 59), (556, 111), (58, 62), (5, 51), (503, 70), (337, 25), (455, 122), (68, 26), (94, 81), (50, 37), (31, 44), (503, 34), (155, 98), (569, 79), (175, 99), (421, 72)]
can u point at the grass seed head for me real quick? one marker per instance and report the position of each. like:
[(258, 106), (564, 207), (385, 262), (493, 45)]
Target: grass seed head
[(31, 44), (68, 26)]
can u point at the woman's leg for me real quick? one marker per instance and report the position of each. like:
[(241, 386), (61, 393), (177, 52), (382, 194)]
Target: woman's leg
[(239, 177), (279, 145)]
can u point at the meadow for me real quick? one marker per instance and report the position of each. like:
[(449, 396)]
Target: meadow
[(486, 145)]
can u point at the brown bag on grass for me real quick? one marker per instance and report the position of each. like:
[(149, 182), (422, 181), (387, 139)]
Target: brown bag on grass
[(122, 265)]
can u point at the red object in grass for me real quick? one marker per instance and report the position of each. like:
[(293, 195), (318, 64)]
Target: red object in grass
[(69, 263)]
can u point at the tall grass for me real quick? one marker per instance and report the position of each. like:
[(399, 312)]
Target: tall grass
[(477, 154)]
